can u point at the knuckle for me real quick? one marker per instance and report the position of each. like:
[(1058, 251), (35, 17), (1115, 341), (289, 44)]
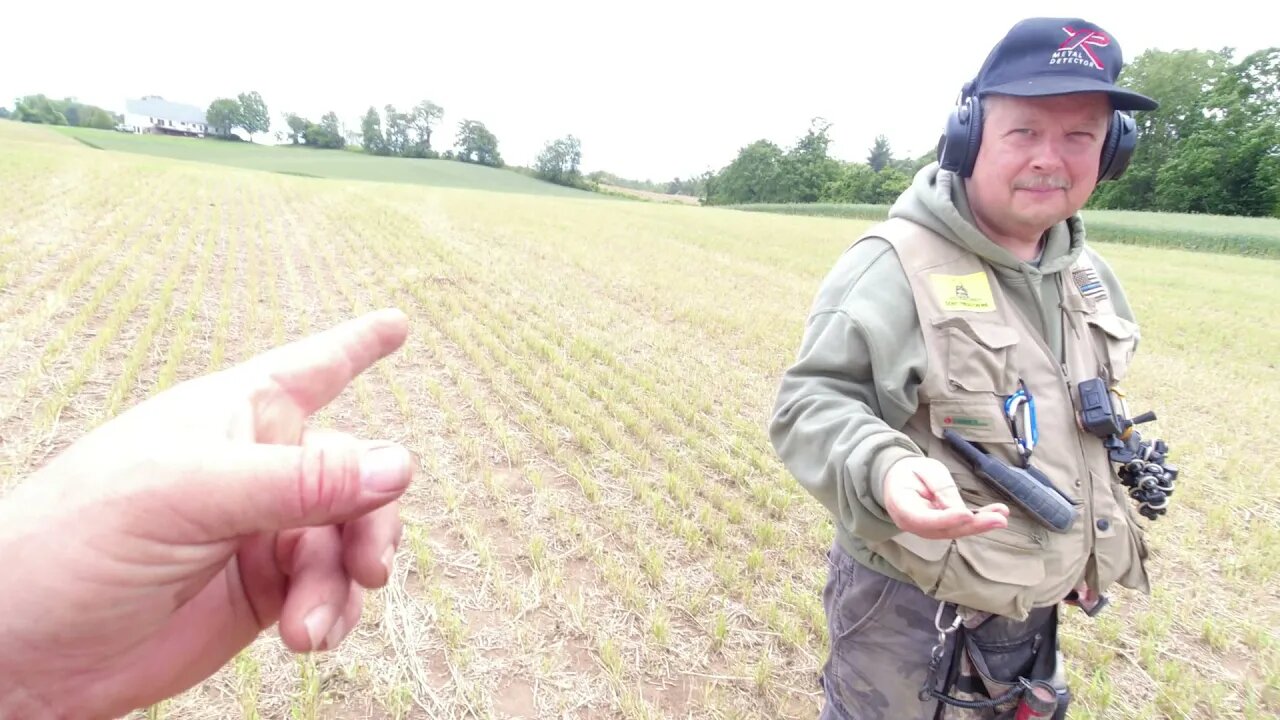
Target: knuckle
[(327, 480)]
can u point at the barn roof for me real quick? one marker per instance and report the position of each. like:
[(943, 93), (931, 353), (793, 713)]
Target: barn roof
[(158, 107)]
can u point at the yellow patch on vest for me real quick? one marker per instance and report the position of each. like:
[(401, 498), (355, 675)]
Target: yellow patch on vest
[(964, 292)]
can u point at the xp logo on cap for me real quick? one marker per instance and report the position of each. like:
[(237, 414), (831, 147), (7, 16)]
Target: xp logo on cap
[(1057, 56), (1076, 48)]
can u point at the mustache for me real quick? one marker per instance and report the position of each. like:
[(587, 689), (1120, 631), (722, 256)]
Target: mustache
[(1043, 182)]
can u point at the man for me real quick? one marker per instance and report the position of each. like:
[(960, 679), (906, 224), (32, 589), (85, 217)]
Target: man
[(978, 309)]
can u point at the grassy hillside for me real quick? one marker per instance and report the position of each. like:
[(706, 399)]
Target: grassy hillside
[(309, 162), (1249, 236)]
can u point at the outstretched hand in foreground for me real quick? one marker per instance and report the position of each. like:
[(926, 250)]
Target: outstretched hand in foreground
[(149, 553)]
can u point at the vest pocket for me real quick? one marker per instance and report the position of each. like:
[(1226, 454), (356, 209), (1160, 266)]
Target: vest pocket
[(1030, 533), (1119, 341), (997, 571), (977, 354), (978, 419)]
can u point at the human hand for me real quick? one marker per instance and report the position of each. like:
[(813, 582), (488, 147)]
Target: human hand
[(149, 553), (921, 497), (1086, 598)]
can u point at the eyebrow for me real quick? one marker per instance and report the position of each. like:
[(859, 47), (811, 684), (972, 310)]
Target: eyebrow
[(1022, 119), (1093, 124)]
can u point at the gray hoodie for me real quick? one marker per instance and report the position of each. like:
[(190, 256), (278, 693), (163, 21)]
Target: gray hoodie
[(841, 405)]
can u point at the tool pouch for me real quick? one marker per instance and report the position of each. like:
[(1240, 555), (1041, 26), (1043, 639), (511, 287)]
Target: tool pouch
[(991, 663)]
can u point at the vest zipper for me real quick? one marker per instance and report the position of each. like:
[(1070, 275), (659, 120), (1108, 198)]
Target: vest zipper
[(1090, 542)]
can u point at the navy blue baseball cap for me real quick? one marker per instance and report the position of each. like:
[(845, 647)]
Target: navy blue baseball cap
[(1057, 56)]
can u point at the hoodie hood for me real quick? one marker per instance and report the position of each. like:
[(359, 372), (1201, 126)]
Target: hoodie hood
[(937, 200)]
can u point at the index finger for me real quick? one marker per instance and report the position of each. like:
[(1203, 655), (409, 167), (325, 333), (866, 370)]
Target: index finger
[(953, 523), (922, 520), (316, 369)]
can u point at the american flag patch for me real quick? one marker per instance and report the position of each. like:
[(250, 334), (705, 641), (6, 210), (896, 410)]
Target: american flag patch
[(1090, 286)]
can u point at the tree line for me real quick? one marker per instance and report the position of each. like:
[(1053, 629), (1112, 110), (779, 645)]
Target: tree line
[(1213, 146), (48, 111), (692, 187), (247, 111), (391, 133), (805, 173), (396, 133)]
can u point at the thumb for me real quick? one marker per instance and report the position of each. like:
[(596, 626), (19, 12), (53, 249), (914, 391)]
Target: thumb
[(942, 487), (242, 488)]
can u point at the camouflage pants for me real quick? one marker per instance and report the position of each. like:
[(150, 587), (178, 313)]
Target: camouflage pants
[(882, 631)]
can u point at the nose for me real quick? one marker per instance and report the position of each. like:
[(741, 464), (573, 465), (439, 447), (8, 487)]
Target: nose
[(1047, 156)]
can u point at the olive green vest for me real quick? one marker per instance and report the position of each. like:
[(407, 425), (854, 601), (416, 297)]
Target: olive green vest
[(979, 346)]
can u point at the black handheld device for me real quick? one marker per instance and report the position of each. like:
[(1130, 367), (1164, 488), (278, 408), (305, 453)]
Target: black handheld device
[(1028, 487), (1144, 465)]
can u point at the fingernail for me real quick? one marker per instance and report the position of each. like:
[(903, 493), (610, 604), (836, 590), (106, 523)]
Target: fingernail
[(318, 623), (335, 635), (385, 469), (388, 557)]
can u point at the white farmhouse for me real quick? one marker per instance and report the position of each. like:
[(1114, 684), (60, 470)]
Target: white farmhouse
[(154, 114)]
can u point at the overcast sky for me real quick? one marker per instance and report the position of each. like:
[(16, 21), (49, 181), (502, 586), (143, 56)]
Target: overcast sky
[(653, 89)]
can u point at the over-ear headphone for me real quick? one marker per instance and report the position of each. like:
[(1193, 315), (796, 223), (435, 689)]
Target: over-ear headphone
[(958, 147)]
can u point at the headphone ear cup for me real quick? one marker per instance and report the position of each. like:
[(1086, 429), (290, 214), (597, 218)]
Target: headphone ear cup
[(952, 144), (974, 140), (958, 147), (1118, 146)]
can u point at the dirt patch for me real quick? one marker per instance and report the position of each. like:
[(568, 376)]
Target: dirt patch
[(514, 699)]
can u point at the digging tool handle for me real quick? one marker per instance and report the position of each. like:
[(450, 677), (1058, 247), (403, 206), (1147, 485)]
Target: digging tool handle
[(1019, 485)]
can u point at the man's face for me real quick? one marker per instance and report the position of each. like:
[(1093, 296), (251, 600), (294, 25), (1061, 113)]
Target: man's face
[(1038, 162)]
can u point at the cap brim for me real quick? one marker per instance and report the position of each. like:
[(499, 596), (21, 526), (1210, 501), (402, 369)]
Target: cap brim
[(1121, 99)]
